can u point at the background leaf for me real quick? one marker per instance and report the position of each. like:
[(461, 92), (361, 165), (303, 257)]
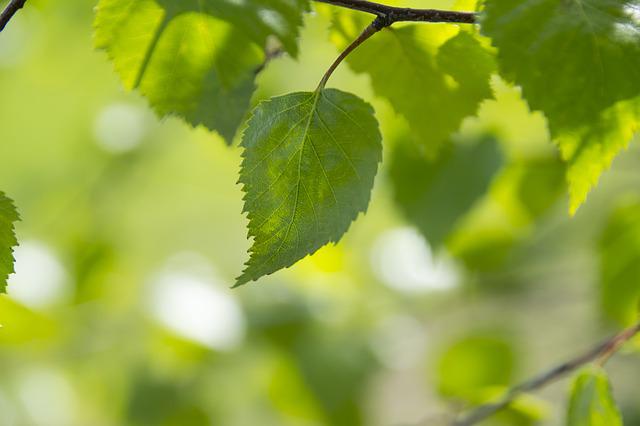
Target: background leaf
[(488, 358), (8, 217), (434, 195), (591, 402), (431, 76), (578, 62), (309, 163), (183, 60)]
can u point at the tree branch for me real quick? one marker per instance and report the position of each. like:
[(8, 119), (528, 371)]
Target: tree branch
[(393, 14), (9, 11), (599, 354)]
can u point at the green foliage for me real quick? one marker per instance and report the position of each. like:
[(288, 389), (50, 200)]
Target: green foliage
[(620, 265), (423, 188), (152, 237), (431, 76), (474, 364), (579, 63), (309, 163), (520, 196), (8, 217), (197, 60), (591, 402)]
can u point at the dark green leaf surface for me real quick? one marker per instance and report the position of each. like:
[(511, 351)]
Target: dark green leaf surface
[(433, 85), (620, 265), (434, 195), (183, 57), (579, 63), (310, 159), (591, 402), (8, 216)]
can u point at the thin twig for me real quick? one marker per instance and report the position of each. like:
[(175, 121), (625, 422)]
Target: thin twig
[(599, 354), (9, 11), (378, 24), (399, 14)]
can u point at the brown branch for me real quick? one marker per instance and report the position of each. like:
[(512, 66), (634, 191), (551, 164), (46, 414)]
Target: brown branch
[(393, 14), (599, 354), (9, 11)]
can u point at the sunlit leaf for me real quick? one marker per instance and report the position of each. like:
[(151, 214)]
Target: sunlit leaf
[(8, 217), (184, 62), (435, 194), (591, 402), (620, 265), (430, 75), (309, 163), (591, 148), (578, 62)]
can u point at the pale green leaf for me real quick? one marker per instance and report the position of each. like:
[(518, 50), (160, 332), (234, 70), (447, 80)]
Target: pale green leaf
[(310, 159), (591, 402), (185, 62), (430, 75), (8, 217), (579, 62), (475, 363), (435, 194)]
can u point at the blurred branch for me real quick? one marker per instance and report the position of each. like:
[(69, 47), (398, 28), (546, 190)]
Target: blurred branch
[(599, 354), (392, 14), (9, 11)]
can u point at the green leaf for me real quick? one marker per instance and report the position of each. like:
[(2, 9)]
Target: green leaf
[(579, 63), (310, 159), (520, 196), (434, 195), (474, 364), (590, 149), (620, 265), (8, 216), (591, 402), (258, 19), (430, 75), (184, 62)]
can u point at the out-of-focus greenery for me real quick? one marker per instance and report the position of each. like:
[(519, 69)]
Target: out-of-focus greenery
[(591, 401), (121, 311)]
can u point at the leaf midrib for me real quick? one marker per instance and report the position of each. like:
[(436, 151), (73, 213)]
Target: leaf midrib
[(316, 96)]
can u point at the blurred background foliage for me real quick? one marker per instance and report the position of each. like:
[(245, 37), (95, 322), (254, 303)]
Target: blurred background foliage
[(465, 276)]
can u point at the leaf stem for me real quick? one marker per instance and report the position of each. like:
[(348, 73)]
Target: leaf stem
[(393, 14), (599, 354), (9, 11), (378, 24)]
